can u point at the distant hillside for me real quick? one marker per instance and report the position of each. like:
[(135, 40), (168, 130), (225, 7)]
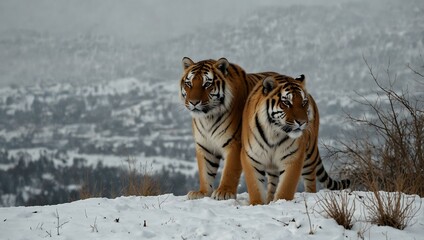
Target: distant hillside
[(324, 42)]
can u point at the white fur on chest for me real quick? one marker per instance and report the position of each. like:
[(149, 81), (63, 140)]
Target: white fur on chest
[(212, 135)]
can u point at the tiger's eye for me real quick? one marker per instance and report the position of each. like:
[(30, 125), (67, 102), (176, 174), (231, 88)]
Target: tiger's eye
[(285, 102)]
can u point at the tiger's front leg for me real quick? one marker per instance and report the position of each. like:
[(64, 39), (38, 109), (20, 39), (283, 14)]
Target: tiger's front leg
[(255, 178), (208, 165), (230, 175), (289, 177)]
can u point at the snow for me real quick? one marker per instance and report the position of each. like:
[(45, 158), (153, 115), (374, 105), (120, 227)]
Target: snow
[(175, 217)]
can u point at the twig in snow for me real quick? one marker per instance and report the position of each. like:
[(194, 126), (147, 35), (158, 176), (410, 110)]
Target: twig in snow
[(94, 226), (311, 229), (59, 225)]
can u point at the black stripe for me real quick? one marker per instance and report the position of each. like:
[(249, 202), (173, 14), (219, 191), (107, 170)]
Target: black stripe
[(273, 184), (198, 129), (283, 140), (282, 172), (261, 131), (291, 144), (270, 120), (204, 148), (312, 150), (259, 171), (231, 138), (307, 179), (320, 170), (225, 130), (216, 123), (215, 165), (227, 142), (286, 85), (212, 174), (201, 124), (223, 88), (250, 145), (259, 143), (330, 184), (218, 86), (251, 158), (288, 155), (337, 183), (272, 175), (307, 173), (311, 162), (267, 112), (275, 113), (217, 127), (323, 179)]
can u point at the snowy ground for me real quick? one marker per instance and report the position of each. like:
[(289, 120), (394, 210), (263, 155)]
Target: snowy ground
[(174, 217)]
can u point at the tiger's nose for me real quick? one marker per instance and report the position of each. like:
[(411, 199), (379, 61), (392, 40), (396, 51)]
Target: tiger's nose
[(300, 123), (194, 102)]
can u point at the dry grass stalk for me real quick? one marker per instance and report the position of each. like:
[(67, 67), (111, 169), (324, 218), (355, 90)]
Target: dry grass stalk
[(339, 206), (89, 190), (139, 181), (393, 209)]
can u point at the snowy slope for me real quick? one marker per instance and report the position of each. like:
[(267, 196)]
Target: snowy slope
[(174, 217)]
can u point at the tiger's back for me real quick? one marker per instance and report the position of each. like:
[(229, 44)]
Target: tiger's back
[(215, 91)]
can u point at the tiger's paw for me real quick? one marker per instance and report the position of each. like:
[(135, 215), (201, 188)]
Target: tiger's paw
[(223, 195), (196, 195)]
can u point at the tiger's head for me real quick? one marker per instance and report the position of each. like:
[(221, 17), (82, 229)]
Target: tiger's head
[(287, 107), (203, 86)]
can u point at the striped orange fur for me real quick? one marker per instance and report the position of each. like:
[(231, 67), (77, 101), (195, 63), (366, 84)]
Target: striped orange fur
[(214, 92), (279, 141)]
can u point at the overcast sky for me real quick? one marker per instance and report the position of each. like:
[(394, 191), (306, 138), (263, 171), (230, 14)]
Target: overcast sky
[(141, 21)]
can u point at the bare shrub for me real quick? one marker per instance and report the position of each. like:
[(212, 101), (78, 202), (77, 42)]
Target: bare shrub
[(394, 209), (386, 154), (389, 149), (339, 206)]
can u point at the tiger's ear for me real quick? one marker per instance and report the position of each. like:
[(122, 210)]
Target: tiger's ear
[(268, 84), (222, 64), (187, 62), (301, 79)]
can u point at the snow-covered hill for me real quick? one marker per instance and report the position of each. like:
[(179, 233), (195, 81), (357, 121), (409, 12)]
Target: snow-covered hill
[(174, 217)]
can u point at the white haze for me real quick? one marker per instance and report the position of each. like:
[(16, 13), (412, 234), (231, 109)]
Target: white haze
[(146, 21)]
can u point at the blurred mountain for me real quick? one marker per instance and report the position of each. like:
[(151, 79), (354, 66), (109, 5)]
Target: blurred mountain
[(324, 42)]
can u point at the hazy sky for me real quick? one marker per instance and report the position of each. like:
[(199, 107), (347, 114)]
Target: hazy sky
[(136, 20)]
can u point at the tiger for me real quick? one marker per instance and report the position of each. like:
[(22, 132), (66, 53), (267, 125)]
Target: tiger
[(279, 141), (214, 92)]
